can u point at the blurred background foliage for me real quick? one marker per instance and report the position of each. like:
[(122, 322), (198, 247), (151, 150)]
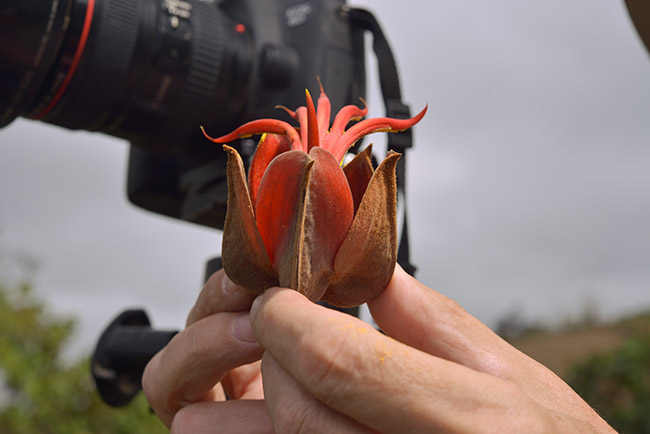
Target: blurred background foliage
[(617, 384), (606, 362), (40, 392)]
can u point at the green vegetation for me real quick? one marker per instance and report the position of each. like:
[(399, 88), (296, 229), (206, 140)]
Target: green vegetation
[(607, 363), (617, 384), (39, 393)]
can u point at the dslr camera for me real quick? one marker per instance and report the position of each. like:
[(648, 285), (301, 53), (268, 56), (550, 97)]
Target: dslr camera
[(153, 71)]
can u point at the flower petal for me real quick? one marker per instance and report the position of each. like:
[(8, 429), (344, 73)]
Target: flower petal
[(342, 119), (366, 260), (260, 126), (340, 145), (313, 123), (313, 138), (323, 111), (244, 256), (279, 199), (304, 210), (359, 171), (269, 147), (299, 115)]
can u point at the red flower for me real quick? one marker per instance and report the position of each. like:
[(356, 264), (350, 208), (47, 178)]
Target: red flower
[(302, 221)]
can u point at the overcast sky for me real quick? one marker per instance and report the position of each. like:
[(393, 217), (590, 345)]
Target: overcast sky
[(529, 183)]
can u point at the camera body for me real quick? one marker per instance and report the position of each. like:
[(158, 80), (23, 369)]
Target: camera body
[(153, 71)]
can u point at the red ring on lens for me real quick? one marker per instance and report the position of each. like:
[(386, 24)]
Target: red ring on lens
[(75, 61)]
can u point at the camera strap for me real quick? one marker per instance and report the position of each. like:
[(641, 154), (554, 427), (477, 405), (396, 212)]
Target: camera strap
[(395, 108)]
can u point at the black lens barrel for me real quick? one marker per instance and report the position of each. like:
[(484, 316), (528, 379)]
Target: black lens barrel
[(98, 86), (31, 36)]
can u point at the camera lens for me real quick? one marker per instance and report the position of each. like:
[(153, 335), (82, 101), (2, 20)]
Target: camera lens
[(149, 71), (32, 36)]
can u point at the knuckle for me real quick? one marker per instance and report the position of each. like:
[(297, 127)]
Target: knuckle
[(453, 308)]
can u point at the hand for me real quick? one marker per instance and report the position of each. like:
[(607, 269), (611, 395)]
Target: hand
[(186, 382), (323, 371), (437, 369)]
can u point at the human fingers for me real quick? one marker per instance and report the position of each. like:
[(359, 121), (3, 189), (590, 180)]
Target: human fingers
[(196, 359), (380, 382), (294, 410), (219, 294), (427, 320), (244, 382), (232, 417)]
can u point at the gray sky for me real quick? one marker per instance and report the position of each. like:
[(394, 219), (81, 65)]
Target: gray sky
[(528, 184)]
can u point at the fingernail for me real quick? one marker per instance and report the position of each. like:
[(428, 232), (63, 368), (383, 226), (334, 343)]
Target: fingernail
[(241, 329), (228, 286)]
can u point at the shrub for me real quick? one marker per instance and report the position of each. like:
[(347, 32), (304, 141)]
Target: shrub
[(617, 384)]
